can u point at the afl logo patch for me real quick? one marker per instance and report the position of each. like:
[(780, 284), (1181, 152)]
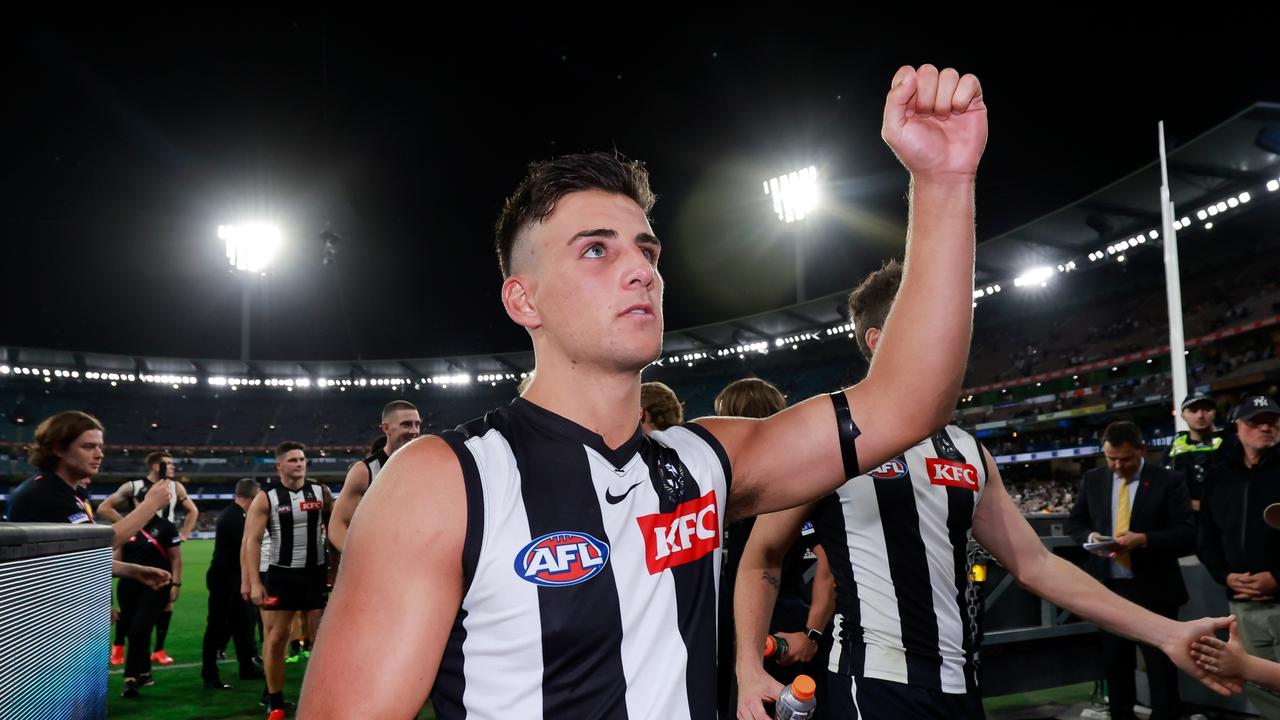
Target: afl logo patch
[(891, 470), (561, 558)]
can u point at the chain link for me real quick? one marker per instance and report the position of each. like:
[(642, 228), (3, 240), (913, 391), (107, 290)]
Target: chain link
[(977, 557)]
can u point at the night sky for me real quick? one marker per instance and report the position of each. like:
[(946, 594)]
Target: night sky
[(129, 140)]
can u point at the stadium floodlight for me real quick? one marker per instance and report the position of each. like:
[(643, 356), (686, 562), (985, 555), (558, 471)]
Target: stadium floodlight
[(1273, 185), (1035, 276), (251, 246), (1208, 226), (794, 194), (1201, 215), (1154, 234), (1222, 207), (1245, 197), (1187, 221)]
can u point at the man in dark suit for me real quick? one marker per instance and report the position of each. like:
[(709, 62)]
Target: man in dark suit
[(1147, 510), (229, 615)]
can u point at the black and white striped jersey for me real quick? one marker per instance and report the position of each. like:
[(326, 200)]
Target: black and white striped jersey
[(896, 538), (138, 492), (375, 463), (295, 525), (590, 573)]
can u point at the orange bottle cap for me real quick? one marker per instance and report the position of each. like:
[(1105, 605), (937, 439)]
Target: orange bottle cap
[(803, 687)]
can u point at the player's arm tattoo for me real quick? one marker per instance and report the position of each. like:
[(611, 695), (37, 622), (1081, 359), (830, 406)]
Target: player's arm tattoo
[(771, 579)]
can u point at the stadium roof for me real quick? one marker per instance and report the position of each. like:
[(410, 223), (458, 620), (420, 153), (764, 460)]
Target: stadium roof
[(1238, 156)]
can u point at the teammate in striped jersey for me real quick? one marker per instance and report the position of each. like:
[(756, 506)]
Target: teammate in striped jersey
[(400, 424), (897, 540), (293, 511), (129, 495), (622, 624)]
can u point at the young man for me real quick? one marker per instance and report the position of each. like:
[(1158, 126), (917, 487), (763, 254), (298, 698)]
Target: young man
[(68, 453), (568, 567), (896, 538), (1196, 448), (129, 496), (400, 424), (293, 511)]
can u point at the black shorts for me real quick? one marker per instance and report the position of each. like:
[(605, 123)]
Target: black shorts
[(850, 698), (295, 588)]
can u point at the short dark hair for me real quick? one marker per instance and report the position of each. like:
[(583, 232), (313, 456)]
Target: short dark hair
[(395, 405), (154, 458), (1123, 432), (750, 397), (548, 181), (288, 445), (247, 488), (57, 433), (871, 301)]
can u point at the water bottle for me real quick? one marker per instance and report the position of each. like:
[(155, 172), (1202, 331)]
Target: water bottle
[(797, 701), (775, 646)]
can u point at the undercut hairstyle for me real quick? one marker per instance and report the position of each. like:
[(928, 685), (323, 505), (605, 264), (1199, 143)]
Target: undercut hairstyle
[(548, 181), (283, 448), (395, 405)]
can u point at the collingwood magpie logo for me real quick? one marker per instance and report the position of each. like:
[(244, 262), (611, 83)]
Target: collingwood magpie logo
[(945, 448), (671, 475)]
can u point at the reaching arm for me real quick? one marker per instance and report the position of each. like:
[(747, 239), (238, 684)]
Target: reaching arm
[(1001, 528), (937, 125)]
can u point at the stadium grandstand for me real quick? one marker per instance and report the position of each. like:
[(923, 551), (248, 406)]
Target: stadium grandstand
[(1071, 335), (1051, 363)]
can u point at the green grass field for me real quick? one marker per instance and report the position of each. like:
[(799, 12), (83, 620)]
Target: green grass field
[(179, 692)]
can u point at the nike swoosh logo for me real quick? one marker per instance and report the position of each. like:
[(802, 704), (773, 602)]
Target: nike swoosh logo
[(615, 499)]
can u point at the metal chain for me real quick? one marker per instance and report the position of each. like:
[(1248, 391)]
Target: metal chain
[(977, 559)]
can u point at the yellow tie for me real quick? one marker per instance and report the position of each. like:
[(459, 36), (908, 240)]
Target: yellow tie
[(1122, 521)]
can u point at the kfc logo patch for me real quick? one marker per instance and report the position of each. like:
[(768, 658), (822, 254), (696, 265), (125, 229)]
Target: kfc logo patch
[(952, 474), (682, 536)]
